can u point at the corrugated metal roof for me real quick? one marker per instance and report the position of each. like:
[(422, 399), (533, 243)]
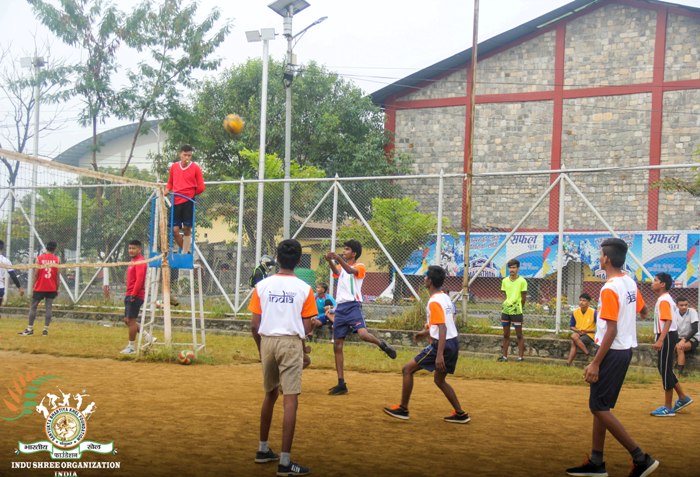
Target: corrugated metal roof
[(461, 59), (73, 154)]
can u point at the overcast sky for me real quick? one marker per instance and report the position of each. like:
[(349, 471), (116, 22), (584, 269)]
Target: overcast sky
[(370, 42)]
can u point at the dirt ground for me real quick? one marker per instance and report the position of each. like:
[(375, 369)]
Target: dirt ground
[(200, 420)]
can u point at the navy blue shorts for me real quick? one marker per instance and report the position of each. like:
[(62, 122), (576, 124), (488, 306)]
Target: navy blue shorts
[(132, 308), (426, 358), (182, 214), (348, 319), (323, 319), (611, 375)]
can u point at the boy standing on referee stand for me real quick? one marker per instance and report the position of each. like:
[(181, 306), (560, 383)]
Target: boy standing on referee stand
[(185, 179), (440, 355), (514, 287), (688, 333), (666, 328), (5, 272), (348, 313), (282, 306), (45, 288), (616, 335), (133, 299)]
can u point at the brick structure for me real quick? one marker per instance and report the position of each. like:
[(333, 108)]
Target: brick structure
[(591, 84)]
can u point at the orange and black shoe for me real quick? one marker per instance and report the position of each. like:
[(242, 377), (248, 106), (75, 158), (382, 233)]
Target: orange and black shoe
[(397, 411), (457, 417), (588, 469)]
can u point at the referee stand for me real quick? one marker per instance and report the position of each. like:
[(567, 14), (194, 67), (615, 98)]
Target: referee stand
[(177, 261)]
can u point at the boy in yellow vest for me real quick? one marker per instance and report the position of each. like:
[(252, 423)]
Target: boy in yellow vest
[(582, 326)]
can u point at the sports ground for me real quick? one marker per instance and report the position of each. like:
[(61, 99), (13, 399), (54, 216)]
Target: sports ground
[(202, 420)]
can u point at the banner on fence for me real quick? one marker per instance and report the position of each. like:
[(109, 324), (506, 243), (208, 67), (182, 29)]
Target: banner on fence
[(675, 253)]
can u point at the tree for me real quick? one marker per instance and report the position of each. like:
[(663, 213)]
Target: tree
[(225, 205), (93, 26), (177, 46), (334, 126), (18, 86)]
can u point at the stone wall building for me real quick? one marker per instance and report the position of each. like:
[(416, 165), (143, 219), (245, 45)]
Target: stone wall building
[(606, 83)]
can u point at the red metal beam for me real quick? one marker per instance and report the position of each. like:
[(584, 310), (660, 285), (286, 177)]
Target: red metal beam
[(657, 118), (557, 121)]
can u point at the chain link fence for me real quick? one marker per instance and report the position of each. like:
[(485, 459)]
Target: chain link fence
[(552, 221)]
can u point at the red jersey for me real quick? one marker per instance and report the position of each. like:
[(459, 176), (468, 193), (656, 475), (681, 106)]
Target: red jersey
[(187, 181), (47, 278), (136, 279)]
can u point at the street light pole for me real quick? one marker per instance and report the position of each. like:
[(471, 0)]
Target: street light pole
[(287, 9), (266, 34), (37, 62)]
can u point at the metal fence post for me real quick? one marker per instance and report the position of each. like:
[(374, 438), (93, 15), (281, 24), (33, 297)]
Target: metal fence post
[(560, 254), (239, 245), (438, 240), (78, 238), (334, 226)]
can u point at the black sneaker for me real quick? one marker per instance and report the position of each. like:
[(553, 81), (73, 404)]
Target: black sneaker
[(646, 468), (26, 332), (45, 333), (397, 411), (457, 418), (588, 469), (503, 359), (390, 352), (292, 469), (338, 390), (267, 456)]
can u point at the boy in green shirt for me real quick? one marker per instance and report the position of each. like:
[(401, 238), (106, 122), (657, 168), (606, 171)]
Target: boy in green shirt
[(514, 288)]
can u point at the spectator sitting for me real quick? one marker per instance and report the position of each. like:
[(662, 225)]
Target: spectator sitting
[(322, 299), (582, 326), (687, 332)]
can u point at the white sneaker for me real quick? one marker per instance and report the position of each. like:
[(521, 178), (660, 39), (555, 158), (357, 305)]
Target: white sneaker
[(128, 350), (148, 341)]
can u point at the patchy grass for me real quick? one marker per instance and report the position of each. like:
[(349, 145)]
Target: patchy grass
[(99, 341)]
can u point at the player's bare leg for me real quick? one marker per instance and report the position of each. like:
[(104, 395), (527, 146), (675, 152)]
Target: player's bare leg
[(177, 237), (383, 345), (266, 412), (289, 421), (186, 241), (339, 358), (506, 340), (521, 341), (408, 371), (447, 390)]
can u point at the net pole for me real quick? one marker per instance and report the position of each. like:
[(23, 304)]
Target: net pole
[(165, 266), (470, 159)]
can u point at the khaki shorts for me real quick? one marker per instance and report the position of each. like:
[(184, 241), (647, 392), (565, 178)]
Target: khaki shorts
[(282, 361)]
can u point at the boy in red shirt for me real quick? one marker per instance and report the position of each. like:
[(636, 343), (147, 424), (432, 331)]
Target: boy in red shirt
[(135, 293), (186, 179), (45, 288)]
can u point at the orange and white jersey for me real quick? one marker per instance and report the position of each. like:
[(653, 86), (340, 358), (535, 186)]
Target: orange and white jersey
[(619, 301), (664, 310), (349, 285), (441, 311), (282, 301)]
